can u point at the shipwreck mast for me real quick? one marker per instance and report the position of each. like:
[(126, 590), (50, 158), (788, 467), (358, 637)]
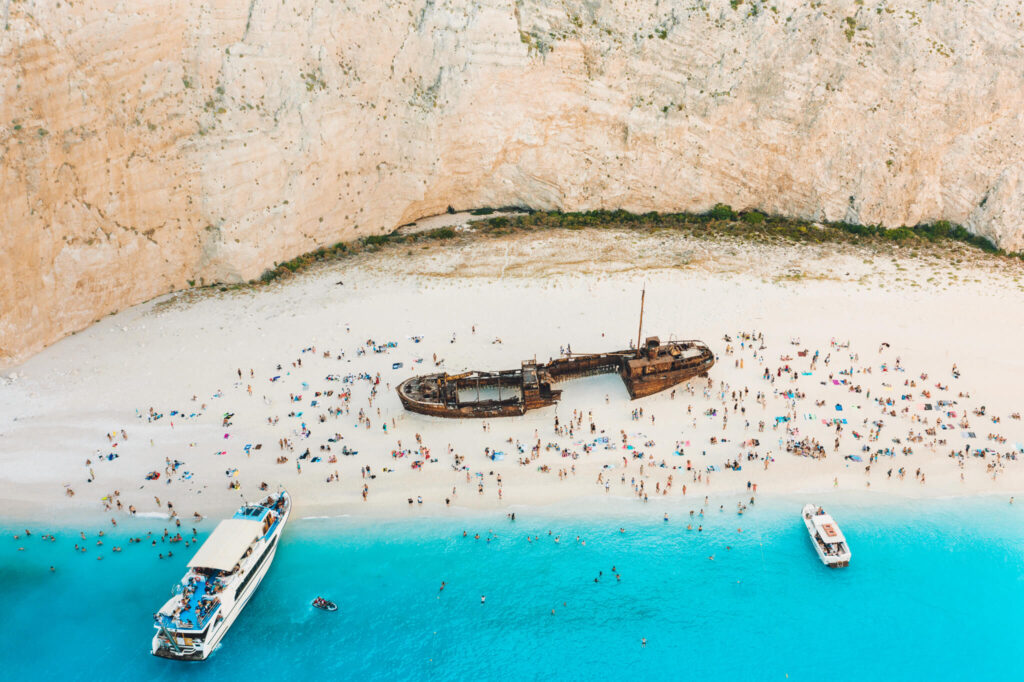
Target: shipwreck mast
[(640, 329)]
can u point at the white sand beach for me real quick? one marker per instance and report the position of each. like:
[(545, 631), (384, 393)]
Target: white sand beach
[(166, 373)]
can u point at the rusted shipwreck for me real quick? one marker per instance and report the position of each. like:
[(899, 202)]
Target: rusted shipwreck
[(652, 368)]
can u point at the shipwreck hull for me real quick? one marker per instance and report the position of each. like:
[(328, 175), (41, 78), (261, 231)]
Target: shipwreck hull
[(646, 386), (646, 371), (645, 382), (477, 411)]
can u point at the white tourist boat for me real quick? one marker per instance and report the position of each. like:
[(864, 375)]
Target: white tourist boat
[(222, 577), (826, 537)]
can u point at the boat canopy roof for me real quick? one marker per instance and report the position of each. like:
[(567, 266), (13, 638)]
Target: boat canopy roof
[(827, 529), (226, 544)]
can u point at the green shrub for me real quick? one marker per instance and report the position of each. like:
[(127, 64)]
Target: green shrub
[(441, 233), (722, 212), (376, 239), (753, 217)]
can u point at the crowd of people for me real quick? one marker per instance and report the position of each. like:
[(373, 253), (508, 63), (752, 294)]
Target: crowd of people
[(759, 412)]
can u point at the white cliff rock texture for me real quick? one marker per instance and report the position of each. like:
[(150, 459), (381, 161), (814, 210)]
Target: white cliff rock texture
[(146, 145)]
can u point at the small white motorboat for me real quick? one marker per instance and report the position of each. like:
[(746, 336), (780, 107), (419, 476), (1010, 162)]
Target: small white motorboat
[(828, 540)]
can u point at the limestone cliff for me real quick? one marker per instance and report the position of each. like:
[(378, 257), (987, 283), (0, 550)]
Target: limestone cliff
[(145, 145)]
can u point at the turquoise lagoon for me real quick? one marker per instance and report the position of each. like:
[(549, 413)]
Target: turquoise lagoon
[(934, 592)]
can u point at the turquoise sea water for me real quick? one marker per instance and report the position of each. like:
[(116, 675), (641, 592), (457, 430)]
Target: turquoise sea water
[(934, 592)]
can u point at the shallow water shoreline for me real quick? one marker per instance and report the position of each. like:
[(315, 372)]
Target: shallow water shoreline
[(591, 509)]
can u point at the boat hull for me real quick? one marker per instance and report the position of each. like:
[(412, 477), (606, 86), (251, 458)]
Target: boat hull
[(529, 388), (649, 385), (217, 631), (467, 411)]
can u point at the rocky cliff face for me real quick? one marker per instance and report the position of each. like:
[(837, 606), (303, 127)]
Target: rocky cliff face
[(145, 145)]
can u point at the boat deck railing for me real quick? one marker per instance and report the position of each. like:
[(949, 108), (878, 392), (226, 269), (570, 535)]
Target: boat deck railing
[(205, 587), (193, 617)]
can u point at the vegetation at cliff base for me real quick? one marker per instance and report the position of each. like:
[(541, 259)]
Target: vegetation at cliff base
[(720, 221)]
